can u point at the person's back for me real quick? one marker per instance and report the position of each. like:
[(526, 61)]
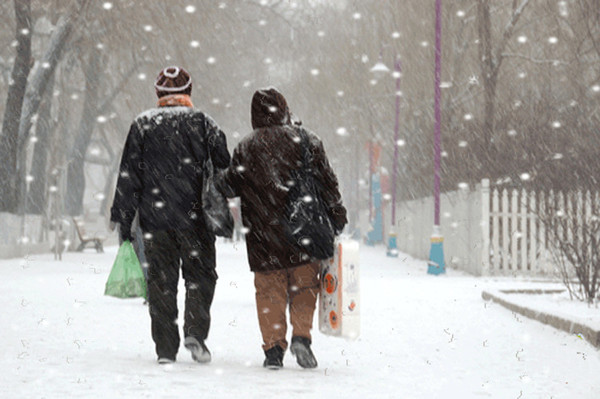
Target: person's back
[(161, 179), (261, 174), (174, 142)]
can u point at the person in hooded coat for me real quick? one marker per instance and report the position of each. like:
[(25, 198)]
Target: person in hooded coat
[(160, 178), (260, 174)]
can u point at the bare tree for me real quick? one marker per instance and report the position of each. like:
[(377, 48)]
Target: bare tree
[(14, 103), (573, 225), (491, 57)]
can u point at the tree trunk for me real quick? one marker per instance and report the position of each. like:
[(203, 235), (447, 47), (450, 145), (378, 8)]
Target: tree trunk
[(75, 170), (35, 91), (488, 70), (36, 200), (14, 105)]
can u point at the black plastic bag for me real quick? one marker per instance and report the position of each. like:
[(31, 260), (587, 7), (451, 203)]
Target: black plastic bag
[(215, 206)]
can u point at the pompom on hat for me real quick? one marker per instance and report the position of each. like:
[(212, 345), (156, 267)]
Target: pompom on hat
[(173, 80)]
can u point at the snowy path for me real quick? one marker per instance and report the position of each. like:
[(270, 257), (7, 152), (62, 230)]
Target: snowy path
[(422, 337)]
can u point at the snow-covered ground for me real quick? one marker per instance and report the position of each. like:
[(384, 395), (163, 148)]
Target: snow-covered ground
[(422, 337)]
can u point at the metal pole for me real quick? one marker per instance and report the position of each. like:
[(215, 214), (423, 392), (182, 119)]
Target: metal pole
[(436, 253), (398, 68), (438, 113), (392, 246)]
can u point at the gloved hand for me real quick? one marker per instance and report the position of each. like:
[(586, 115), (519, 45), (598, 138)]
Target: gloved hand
[(125, 233)]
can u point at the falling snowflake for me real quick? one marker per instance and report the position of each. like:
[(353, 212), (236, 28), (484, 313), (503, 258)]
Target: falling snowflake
[(341, 131)]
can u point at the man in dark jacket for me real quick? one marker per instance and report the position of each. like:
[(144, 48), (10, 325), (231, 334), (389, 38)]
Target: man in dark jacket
[(161, 178), (261, 173)]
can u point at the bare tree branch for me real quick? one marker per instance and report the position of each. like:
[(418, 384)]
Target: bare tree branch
[(535, 60), (508, 31)]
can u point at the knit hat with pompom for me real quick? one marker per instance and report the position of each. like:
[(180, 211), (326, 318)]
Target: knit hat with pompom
[(173, 80)]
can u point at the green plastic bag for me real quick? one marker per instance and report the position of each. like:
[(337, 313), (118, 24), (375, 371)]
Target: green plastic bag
[(126, 279)]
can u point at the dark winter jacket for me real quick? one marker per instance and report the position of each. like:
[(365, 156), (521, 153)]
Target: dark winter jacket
[(261, 173), (161, 168)]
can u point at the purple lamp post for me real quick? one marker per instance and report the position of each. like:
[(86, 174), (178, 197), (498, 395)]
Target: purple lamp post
[(436, 252), (392, 247)]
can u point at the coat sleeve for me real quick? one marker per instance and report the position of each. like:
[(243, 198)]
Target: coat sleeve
[(327, 184), (130, 182), (233, 176), (217, 144)]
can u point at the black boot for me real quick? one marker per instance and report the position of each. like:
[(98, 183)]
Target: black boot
[(301, 349), (274, 358)]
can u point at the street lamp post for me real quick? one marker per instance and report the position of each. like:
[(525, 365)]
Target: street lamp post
[(392, 248), (436, 253), (376, 234)]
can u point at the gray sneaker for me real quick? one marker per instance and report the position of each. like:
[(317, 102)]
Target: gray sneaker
[(200, 352)]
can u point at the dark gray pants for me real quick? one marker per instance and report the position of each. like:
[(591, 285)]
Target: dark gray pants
[(166, 252)]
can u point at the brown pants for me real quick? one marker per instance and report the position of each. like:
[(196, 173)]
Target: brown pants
[(298, 286)]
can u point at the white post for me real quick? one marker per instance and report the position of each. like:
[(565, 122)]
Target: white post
[(485, 226), (533, 237), (496, 229), (524, 236), (505, 237), (514, 230)]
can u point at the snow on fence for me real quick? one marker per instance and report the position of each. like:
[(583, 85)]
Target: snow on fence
[(496, 231), (461, 216)]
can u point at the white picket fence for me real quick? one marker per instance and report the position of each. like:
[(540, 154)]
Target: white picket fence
[(495, 231)]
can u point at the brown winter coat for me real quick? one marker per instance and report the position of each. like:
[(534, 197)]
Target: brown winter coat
[(260, 174)]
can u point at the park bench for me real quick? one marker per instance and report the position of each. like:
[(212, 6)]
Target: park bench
[(86, 239)]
